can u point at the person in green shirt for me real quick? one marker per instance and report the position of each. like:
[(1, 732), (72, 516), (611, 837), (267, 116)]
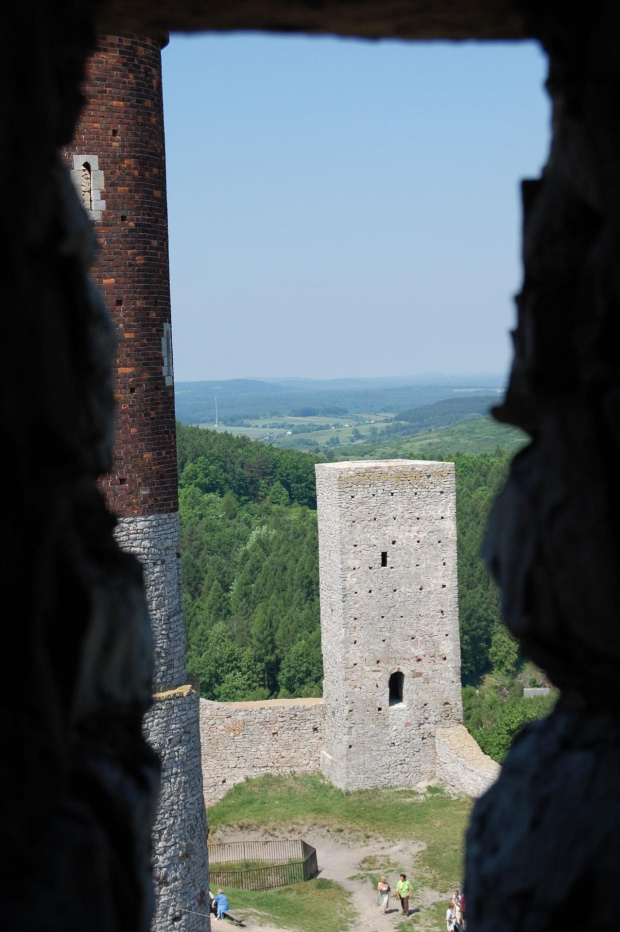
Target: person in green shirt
[(403, 892)]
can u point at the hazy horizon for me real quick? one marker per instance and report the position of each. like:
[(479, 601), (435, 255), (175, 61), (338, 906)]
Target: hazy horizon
[(420, 376)]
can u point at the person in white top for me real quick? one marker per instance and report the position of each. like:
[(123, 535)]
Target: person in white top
[(450, 917), (383, 895)]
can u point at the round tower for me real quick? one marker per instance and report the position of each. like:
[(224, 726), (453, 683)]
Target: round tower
[(117, 163)]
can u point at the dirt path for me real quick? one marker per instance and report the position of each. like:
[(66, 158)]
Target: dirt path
[(341, 862), (343, 859)]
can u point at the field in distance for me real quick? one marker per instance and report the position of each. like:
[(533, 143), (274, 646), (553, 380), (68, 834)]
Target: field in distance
[(305, 432), (411, 420)]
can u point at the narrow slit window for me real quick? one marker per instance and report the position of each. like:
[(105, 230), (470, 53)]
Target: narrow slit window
[(384, 558), (86, 187), (397, 682)]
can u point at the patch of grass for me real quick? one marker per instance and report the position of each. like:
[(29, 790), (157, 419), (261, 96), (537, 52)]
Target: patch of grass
[(315, 906), (249, 865), (373, 862), (435, 819), (428, 919)]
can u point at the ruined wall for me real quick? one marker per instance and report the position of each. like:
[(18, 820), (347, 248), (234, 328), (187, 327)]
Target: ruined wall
[(250, 739), (387, 557), (460, 762)]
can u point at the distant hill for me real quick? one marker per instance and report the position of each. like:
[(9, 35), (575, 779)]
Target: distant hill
[(441, 413), (479, 382), (233, 387), (240, 399)]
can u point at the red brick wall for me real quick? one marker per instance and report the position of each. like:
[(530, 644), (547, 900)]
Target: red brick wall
[(122, 124)]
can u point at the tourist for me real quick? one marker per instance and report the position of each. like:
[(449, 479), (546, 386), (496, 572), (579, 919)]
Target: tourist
[(457, 907), (221, 904), (403, 892), (450, 917), (383, 895)]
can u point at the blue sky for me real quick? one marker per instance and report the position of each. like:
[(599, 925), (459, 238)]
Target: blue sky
[(341, 208)]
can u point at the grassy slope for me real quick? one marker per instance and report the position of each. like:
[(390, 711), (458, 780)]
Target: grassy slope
[(316, 906), (475, 435), (433, 818)]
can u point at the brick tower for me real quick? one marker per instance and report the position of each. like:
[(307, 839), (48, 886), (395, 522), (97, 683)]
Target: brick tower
[(117, 163), (389, 618)]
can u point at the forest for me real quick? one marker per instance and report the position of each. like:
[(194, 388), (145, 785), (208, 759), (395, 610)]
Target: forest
[(449, 411), (251, 588)]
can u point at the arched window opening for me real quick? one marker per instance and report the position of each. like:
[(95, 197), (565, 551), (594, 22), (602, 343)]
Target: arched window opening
[(397, 682), (86, 187)]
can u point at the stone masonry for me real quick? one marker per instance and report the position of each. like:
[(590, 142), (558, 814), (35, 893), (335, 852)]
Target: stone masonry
[(251, 739), (154, 539), (179, 836), (389, 612)]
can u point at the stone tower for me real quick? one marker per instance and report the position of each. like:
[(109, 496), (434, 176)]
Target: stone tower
[(389, 618), (117, 163)]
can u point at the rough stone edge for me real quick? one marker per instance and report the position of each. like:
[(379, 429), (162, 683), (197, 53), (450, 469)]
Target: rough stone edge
[(460, 762), (265, 703), (414, 19)]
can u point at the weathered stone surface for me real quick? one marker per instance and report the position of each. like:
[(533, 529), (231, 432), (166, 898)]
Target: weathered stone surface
[(543, 845), (154, 539), (373, 19), (389, 606), (180, 859), (460, 762), (250, 739)]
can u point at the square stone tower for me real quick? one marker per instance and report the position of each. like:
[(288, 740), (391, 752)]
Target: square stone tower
[(389, 618)]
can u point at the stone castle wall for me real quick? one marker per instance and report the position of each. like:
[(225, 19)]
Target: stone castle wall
[(251, 739), (388, 576), (286, 736)]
